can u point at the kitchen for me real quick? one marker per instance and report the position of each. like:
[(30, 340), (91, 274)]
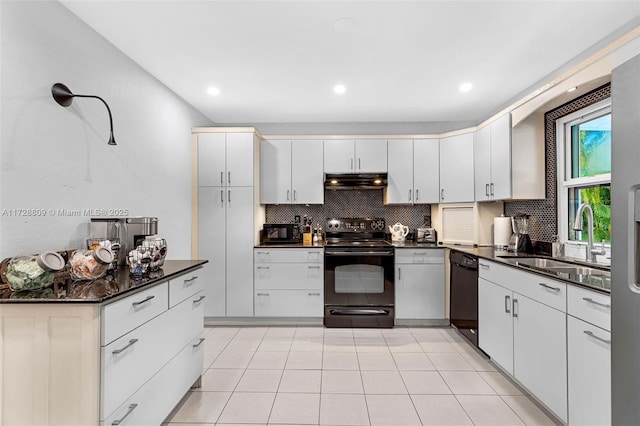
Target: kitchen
[(51, 158)]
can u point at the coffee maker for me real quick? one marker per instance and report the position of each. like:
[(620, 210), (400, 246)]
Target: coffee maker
[(129, 231), (520, 240)]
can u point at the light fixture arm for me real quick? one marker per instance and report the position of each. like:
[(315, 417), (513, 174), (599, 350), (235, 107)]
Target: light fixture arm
[(63, 96)]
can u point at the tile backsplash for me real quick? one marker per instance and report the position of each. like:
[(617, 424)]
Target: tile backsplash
[(351, 203)]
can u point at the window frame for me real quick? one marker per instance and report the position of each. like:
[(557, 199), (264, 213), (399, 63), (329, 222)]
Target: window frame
[(564, 164)]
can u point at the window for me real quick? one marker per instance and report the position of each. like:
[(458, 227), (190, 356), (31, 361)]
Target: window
[(584, 171)]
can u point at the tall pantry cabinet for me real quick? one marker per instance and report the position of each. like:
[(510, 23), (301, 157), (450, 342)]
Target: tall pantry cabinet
[(225, 218)]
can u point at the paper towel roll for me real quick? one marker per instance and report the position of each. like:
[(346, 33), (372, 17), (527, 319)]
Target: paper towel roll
[(501, 231)]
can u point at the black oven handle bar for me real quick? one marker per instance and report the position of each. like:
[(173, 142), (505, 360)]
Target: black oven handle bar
[(358, 253), (358, 312)]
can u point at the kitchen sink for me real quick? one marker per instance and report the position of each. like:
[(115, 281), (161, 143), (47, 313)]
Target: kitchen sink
[(571, 271), (536, 262)]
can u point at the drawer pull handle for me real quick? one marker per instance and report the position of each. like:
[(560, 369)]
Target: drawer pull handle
[(313, 266), (590, 300), (418, 253), (549, 287), (190, 281), (262, 252), (484, 266), (262, 294), (199, 299), (143, 301), (513, 308), (507, 300), (262, 267), (195, 345), (314, 294), (590, 334), (129, 411), (131, 343)]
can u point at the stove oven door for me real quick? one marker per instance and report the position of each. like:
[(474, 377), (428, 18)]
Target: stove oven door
[(359, 290)]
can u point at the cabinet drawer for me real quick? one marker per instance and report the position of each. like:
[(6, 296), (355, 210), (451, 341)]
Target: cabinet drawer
[(303, 255), (289, 303), (590, 306), (183, 287), (118, 318), (289, 276), (130, 361), (417, 255), (537, 287), (153, 402)]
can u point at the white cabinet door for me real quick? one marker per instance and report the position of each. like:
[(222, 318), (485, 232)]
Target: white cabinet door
[(419, 291), (400, 172), (456, 169), (239, 159), (338, 156), (289, 303), (501, 158), (495, 325), (212, 232), (275, 172), (426, 171), (482, 163), (239, 242), (540, 352), (589, 355), (307, 172), (371, 156), (211, 159)]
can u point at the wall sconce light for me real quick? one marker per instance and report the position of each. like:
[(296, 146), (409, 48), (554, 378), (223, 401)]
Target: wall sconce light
[(64, 97)]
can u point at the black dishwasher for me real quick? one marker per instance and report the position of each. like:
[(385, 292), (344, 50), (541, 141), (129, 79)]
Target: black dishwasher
[(464, 294)]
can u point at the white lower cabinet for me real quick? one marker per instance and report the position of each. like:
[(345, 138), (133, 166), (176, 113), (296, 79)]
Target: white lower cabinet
[(289, 282), (540, 352), (495, 323), (419, 283), (589, 354), (522, 326)]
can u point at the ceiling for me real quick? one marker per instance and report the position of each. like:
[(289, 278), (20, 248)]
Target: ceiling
[(400, 61)]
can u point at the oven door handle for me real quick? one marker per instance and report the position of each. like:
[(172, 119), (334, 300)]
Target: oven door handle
[(358, 312), (358, 253)]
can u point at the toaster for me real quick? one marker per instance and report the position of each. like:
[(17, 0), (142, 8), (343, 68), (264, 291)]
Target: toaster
[(426, 235)]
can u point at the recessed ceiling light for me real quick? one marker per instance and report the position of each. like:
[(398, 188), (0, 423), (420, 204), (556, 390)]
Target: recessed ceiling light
[(465, 87), (339, 89), (572, 89), (213, 91)]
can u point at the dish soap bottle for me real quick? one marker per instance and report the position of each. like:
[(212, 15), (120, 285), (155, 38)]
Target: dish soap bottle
[(556, 247)]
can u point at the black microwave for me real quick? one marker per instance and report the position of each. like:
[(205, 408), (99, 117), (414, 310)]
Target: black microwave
[(281, 233)]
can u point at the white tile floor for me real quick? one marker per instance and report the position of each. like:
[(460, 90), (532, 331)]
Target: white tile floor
[(318, 376)]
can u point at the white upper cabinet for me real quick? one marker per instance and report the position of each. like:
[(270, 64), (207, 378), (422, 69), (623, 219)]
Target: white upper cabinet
[(492, 155), (275, 172), (359, 156), (456, 169), (223, 159), (426, 171), (307, 172), (400, 178), (291, 172), (413, 168)]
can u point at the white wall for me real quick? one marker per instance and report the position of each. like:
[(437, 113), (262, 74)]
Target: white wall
[(57, 158)]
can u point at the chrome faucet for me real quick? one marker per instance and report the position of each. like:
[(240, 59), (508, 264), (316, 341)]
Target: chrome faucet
[(577, 226)]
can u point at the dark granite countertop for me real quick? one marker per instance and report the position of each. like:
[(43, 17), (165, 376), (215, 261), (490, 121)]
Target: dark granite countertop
[(113, 286), (405, 244), (597, 282)]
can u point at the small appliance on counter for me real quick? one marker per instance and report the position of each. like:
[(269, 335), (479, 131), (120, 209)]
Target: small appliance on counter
[(520, 240), (426, 235), (398, 232), (280, 233)]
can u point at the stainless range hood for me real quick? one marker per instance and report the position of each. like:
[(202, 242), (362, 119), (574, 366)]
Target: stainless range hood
[(355, 181)]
